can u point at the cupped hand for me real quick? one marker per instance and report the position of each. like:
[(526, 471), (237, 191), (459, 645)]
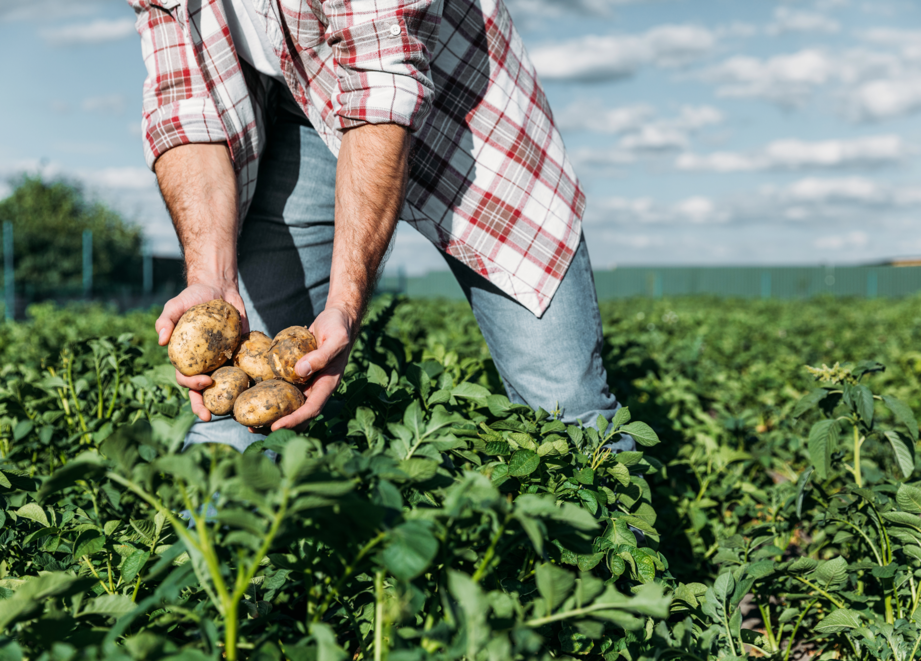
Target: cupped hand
[(195, 294), (335, 331)]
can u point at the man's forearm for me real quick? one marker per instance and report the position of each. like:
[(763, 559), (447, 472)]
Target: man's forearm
[(199, 187), (370, 184)]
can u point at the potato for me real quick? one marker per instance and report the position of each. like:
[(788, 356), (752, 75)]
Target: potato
[(229, 383), (205, 337), (287, 348), (266, 402), (251, 356)]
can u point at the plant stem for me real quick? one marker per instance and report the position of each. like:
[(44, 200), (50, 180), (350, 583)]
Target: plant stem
[(118, 374), (820, 591), (98, 578), (786, 656), (378, 615), (857, 443), (349, 570), (490, 552), (768, 629)]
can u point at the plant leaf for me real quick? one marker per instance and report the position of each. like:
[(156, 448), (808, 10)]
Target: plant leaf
[(903, 414), (823, 438)]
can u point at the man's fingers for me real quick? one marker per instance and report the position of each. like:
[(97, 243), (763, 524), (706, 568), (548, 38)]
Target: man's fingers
[(197, 382), (317, 396), (318, 360), (198, 406)]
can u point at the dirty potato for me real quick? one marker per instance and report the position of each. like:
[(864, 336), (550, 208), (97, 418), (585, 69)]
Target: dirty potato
[(266, 402), (287, 348), (229, 383), (205, 337), (251, 356)]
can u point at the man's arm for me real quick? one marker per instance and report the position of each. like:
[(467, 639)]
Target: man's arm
[(199, 187), (371, 180)]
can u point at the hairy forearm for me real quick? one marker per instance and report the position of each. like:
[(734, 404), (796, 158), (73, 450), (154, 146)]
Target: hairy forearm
[(199, 187), (370, 185)]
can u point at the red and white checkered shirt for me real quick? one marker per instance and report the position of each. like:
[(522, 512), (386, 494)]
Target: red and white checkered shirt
[(490, 181)]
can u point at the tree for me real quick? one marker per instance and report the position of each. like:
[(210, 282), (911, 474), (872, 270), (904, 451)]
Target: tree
[(49, 218)]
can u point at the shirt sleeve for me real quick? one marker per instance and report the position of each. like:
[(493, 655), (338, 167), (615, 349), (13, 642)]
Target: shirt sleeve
[(381, 52), (177, 106)]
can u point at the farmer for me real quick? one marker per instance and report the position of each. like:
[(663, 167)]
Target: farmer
[(288, 137)]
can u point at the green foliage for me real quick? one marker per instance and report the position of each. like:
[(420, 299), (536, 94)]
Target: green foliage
[(424, 516), (49, 218)]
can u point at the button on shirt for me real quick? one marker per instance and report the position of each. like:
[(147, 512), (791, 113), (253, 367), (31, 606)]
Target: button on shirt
[(490, 181)]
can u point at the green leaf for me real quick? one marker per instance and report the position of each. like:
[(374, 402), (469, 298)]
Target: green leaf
[(554, 584), (823, 438), (838, 621), (908, 498), (33, 512), (88, 543), (641, 433), (903, 414), (863, 402), (801, 484), (410, 549), (114, 605), (22, 429), (723, 586), (418, 469), (620, 473), (904, 451), (809, 401), (832, 571), (622, 417), (133, 564), (469, 390), (523, 463)]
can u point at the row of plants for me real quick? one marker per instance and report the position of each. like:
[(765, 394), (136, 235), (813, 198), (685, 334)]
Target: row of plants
[(424, 516)]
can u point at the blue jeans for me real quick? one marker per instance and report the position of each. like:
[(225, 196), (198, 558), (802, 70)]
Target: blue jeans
[(285, 252)]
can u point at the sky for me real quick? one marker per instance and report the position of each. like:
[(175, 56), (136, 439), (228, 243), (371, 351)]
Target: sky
[(705, 132)]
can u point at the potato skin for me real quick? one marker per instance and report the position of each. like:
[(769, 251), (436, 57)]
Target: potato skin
[(205, 337), (251, 356), (289, 346), (266, 402), (229, 383)]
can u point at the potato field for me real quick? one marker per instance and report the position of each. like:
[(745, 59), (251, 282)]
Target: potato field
[(771, 510)]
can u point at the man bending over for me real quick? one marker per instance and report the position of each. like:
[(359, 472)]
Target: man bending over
[(289, 136)]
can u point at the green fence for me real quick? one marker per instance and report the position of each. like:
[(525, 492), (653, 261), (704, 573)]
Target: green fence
[(728, 281)]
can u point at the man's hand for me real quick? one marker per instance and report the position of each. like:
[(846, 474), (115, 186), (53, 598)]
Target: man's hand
[(335, 332), (174, 309), (199, 187), (370, 185)]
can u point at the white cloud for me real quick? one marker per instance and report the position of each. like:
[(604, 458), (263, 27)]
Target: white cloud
[(884, 99), (792, 79), (96, 32), (696, 210), (109, 103), (871, 151), (124, 178), (850, 240), (44, 10), (529, 9), (790, 20), (598, 58), (593, 116)]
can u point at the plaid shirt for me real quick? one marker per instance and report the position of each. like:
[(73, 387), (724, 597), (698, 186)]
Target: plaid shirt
[(490, 181)]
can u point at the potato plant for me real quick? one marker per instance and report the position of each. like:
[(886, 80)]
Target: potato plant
[(424, 516)]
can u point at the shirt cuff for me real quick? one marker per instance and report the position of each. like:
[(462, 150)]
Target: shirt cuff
[(183, 122)]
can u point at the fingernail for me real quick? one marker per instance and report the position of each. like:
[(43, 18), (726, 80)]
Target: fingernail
[(303, 369), (163, 335)]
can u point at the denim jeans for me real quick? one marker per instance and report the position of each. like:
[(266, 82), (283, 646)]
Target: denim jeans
[(285, 252)]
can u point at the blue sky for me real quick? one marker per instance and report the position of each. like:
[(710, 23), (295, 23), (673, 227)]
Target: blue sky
[(704, 131)]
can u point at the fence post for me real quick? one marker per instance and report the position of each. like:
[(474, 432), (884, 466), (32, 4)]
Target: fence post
[(872, 284), (87, 263), (147, 254), (9, 282), (765, 284)]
